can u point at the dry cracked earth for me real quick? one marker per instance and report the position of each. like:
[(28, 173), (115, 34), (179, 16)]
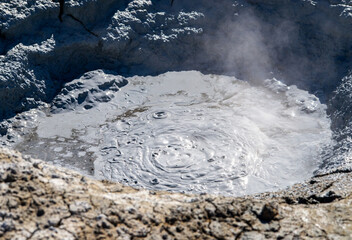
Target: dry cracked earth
[(40, 201)]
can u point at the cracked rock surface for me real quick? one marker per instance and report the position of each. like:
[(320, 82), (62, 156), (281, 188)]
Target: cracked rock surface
[(40, 201)]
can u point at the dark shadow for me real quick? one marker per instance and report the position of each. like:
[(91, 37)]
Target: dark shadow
[(29, 31)]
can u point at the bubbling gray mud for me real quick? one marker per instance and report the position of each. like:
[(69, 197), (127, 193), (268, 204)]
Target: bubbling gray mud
[(184, 131)]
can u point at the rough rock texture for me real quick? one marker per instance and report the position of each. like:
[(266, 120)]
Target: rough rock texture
[(307, 42), (39, 201), (341, 116), (86, 91)]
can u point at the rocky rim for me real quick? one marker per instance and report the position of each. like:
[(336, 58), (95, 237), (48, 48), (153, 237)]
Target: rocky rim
[(40, 201)]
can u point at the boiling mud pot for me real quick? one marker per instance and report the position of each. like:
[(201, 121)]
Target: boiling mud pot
[(188, 132)]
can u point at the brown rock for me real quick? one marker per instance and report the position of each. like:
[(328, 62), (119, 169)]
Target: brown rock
[(269, 212)]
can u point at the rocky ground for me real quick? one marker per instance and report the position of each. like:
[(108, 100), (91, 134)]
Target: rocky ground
[(40, 201)]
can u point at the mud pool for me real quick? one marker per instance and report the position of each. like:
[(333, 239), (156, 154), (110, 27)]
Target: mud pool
[(181, 131), (128, 95)]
